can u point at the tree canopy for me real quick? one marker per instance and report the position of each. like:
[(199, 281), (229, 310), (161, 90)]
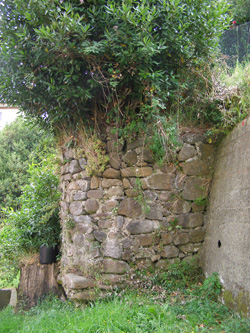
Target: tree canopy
[(65, 61)]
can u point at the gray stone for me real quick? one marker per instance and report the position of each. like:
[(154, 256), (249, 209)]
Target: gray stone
[(181, 207), (88, 295), (131, 193), (141, 227), (147, 156), (91, 206), (126, 183), (83, 184), (94, 183), (112, 249), (197, 235), (95, 194), (76, 208), (181, 238), (100, 236), (68, 176), (195, 188), (111, 173), (193, 138), (129, 207), (148, 239), (110, 206), (195, 167), (160, 182), (105, 224), (150, 195), (74, 281), (114, 191), (119, 221), (189, 221), (130, 158), (126, 243), (197, 208), (111, 182), (115, 266), (69, 154), (136, 143), (85, 219), (136, 172), (166, 238), (115, 146), (187, 248), (162, 264), (170, 251), (154, 213), (74, 167), (187, 152), (73, 186), (115, 160), (180, 181), (80, 195)]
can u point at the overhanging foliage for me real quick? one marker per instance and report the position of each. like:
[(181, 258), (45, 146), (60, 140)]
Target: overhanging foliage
[(61, 61)]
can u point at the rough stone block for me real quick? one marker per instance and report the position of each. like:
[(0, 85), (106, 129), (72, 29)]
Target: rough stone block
[(80, 195), (187, 152), (115, 146), (187, 248), (111, 173), (88, 295), (111, 182), (74, 167), (115, 160), (106, 224), (166, 238), (148, 239), (110, 206), (170, 251), (73, 186), (100, 236), (180, 207), (195, 188), (181, 238), (94, 183), (130, 158), (91, 206), (195, 167), (197, 235), (114, 191), (84, 219), (154, 213), (112, 249), (74, 281), (119, 221), (141, 227), (76, 208), (129, 207), (95, 194), (136, 172), (160, 182), (83, 184), (189, 221), (115, 266)]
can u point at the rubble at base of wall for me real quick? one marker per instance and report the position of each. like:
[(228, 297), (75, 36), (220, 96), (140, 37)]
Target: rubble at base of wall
[(135, 213)]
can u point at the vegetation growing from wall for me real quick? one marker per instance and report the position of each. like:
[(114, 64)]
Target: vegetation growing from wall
[(117, 61)]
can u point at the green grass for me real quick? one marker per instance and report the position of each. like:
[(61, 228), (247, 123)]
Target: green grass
[(154, 308)]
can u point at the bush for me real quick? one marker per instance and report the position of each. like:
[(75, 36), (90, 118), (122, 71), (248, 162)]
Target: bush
[(98, 60), (37, 221)]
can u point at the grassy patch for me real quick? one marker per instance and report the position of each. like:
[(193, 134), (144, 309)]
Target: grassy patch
[(156, 307)]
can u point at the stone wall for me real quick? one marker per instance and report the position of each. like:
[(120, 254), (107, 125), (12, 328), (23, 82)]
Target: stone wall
[(227, 243), (135, 213)]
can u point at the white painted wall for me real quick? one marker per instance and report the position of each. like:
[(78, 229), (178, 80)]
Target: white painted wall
[(7, 115)]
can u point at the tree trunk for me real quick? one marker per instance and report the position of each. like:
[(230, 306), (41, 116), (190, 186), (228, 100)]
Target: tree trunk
[(36, 281)]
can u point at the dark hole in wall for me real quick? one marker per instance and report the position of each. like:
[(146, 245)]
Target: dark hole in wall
[(219, 243)]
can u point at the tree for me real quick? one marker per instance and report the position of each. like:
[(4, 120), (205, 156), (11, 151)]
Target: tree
[(240, 11), (63, 62), (20, 145)]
